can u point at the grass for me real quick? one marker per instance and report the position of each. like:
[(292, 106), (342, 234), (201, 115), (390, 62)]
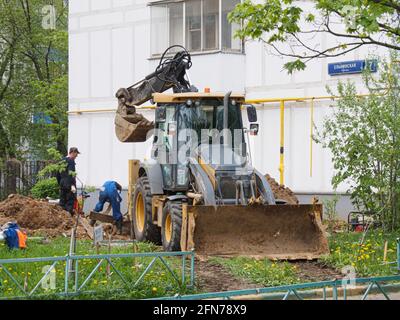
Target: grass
[(264, 272), (366, 258), (158, 282), (345, 250)]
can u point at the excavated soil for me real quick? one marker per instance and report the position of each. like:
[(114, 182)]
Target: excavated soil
[(38, 218), (313, 271), (212, 277), (281, 192)]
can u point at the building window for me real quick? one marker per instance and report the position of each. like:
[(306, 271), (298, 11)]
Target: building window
[(198, 25)]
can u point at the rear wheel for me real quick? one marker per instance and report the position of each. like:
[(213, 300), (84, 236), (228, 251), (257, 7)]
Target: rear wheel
[(171, 226), (142, 218)]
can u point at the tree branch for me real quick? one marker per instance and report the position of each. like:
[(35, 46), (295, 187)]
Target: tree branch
[(319, 54), (387, 3)]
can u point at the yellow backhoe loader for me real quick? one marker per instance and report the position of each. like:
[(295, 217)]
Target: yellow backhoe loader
[(198, 190)]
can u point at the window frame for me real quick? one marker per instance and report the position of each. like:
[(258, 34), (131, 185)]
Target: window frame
[(202, 51)]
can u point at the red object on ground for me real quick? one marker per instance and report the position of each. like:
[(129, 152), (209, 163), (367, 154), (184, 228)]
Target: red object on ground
[(359, 228)]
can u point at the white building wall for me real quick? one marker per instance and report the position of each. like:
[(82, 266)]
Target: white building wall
[(110, 48)]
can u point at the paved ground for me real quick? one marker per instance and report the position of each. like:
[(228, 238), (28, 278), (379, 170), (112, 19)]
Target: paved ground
[(392, 296)]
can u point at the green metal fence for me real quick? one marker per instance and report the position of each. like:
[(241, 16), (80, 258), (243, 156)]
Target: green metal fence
[(314, 290), (75, 284)]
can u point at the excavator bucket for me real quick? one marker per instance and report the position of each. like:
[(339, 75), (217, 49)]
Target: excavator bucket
[(282, 232), (132, 128)]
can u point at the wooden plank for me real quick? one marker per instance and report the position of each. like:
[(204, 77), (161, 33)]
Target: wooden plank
[(108, 210), (89, 229), (101, 217), (385, 251)]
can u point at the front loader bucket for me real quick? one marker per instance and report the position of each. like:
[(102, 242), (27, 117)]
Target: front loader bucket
[(132, 128), (284, 232)]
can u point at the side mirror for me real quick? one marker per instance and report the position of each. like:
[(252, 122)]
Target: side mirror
[(254, 128), (251, 113), (161, 114)]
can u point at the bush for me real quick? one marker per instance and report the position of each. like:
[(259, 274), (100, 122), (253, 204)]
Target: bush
[(45, 188), (363, 136)]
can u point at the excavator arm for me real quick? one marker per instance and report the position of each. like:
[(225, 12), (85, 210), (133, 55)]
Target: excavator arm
[(131, 126)]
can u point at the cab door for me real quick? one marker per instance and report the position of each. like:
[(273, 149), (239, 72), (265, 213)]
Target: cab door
[(165, 143)]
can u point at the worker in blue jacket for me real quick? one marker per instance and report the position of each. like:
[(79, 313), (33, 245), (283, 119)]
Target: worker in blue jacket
[(110, 192)]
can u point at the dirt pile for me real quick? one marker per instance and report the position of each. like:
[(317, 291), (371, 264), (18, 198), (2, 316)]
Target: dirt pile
[(281, 192), (37, 218), (213, 277)]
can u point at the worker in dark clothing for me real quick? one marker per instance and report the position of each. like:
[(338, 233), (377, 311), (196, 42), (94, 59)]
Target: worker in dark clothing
[(67, 181), (110, 192)]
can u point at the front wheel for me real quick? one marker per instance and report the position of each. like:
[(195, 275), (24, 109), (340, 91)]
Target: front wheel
[(171, 226), (144, 228)]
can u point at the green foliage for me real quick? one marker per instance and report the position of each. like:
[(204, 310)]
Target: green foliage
[(55, 164), (367, 258), (90, 189), (34, 68), (46, 188), (157, 282), (264, 272), (363, 135), (289, 27), (294, 65), (330, 213)]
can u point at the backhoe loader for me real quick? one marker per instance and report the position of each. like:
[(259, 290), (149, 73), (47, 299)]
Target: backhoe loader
[(198, 190)]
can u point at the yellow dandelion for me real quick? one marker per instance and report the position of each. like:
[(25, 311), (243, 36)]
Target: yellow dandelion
[(154, 289)]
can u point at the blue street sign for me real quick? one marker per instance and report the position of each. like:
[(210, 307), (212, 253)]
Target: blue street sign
[(348, 67)]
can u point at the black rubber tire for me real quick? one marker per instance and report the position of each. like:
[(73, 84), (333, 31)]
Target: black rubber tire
[(173, 208), (151, 232)]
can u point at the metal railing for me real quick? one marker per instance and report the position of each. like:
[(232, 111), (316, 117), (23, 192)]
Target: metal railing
[(72, 268), (313, 290), (18, 176)]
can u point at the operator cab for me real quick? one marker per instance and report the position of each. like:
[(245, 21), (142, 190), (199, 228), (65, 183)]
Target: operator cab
[(192, 125)]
